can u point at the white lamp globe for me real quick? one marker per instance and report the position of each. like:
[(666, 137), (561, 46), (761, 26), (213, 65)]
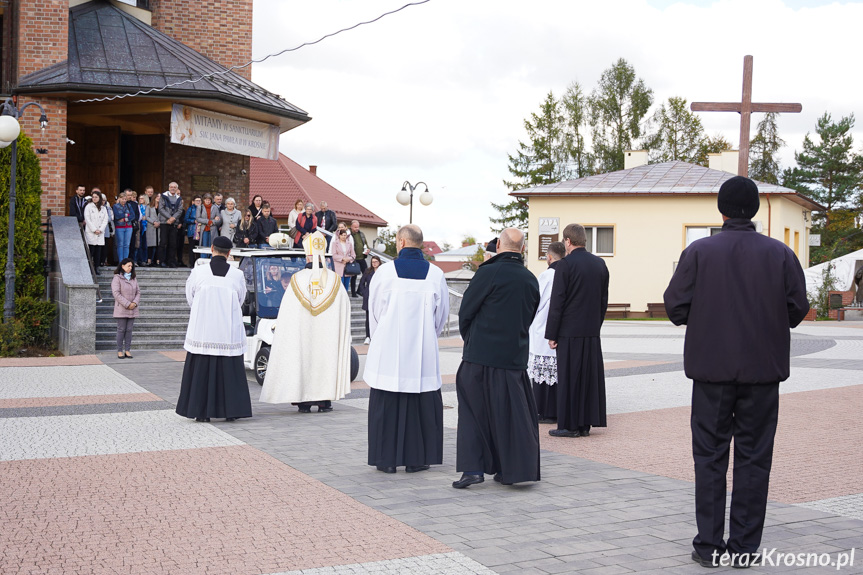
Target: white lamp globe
[(426, 198), (403, 197), (9, 129), (4, 144)]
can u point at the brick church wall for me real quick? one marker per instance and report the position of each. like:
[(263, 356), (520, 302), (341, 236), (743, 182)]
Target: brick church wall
[(219, 29), (43, 37), (183, 162)]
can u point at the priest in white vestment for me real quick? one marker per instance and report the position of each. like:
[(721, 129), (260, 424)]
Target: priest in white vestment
[(214, 378), (541, 359), (408, 308), (310, 361)]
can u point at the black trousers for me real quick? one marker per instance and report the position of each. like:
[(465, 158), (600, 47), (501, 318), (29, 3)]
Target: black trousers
[(748, 413), (168, 237), (363, 267)]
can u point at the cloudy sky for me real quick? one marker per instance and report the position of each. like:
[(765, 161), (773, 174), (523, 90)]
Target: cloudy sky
[(439, 92)]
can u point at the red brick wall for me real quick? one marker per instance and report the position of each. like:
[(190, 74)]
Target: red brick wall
[(42, 40), (218, 29), (183, 162), (847, 298)]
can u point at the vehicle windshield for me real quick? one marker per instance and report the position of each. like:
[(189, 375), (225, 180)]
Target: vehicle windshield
[(270, 277)]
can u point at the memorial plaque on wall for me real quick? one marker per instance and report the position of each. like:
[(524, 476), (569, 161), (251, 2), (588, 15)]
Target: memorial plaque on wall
[(549, 228), (205, 184)]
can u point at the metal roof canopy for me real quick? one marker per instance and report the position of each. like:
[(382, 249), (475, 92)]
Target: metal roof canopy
[(111, 52)]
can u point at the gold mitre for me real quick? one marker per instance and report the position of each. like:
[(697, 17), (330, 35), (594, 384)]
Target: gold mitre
[(315, 245)]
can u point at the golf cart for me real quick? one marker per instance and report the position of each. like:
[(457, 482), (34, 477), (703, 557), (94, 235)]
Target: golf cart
[(265, 271)]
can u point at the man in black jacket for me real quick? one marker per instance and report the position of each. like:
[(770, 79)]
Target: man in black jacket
[(498, 430), (327, 220), (77, 203), (739, 293), (579, 298)]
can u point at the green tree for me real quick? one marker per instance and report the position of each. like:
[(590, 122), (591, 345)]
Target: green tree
[(675, 133), (542, 160), (764, 150), (387, 236), (712, 145), (618, 106), (29, 260), (577, 113)]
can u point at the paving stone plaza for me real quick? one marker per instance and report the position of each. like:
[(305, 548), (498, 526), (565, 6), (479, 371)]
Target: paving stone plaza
[(99, 475)]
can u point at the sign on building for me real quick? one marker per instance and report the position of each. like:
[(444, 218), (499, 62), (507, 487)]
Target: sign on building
[(815, 240), (549, 230), (214, 131)]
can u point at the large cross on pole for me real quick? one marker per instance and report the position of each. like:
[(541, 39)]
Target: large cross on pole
[(745, 108)]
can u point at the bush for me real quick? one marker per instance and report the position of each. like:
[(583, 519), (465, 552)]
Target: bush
[(31, 327), (29, 265)]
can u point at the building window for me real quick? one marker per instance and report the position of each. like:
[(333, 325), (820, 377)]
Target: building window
[(600, 240), (697, 232), (797, 244)]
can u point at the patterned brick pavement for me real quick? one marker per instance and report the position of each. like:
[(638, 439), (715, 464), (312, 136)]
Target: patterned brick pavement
[(98, 475)]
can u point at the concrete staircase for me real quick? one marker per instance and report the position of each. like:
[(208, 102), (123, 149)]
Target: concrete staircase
[(164, 313)]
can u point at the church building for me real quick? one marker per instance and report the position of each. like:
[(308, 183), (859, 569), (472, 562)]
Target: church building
[(640, 218), (75, 57)]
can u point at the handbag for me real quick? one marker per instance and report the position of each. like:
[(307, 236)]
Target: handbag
[(353, 268)]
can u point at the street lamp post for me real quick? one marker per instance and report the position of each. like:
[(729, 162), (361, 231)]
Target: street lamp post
[(9, 130), (406, 197)]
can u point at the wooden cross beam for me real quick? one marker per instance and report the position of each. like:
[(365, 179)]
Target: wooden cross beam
[(745, 108)]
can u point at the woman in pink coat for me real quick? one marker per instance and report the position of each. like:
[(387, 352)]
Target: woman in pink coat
[(342, 249), (127, 294)]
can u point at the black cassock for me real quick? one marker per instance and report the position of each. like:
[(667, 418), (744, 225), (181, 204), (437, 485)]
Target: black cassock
[(405, 428), (498, 430), (579, 299)]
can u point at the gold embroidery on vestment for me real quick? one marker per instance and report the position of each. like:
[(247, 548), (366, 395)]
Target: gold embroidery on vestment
[(323, 305)]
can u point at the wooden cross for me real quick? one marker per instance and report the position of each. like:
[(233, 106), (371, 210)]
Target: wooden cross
[(745, 108)]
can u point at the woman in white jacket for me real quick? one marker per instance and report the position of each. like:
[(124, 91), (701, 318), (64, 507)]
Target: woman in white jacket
[(95, 220)]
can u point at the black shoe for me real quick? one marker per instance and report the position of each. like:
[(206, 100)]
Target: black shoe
[(703, 562), (563, 433), (745, 560), (305, 409), (230, 419), (203, 419), (548, 420), (499, 479), (163, 265), (584, 432), (385, 469), (467, 480), (324, 409), (415, 468)]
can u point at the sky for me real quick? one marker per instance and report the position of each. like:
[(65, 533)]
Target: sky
[(439, 92)]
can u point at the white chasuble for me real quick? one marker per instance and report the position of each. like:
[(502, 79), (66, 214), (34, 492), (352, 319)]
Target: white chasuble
[(216, 320), (311, 355), (405, 318)]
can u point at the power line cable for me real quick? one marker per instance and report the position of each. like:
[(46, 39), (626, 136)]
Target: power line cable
[(249, 63)]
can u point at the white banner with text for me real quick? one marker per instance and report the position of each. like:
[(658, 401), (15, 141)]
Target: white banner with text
[(214, 131)]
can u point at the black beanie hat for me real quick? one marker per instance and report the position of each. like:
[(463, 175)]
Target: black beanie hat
[(222, 243), (738, 198)]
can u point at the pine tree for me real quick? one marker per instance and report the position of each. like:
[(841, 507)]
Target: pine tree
[(618, 106), (677, 133), (764, 149), (543, 160)]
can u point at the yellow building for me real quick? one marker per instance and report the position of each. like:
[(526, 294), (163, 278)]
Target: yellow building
[(639, 220)]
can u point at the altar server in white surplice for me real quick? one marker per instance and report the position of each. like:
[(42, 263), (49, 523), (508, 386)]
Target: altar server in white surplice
[(541, 359), (310, 361), (408, 308), (214, 378)]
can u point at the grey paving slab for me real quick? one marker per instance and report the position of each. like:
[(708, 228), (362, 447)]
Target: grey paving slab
[(445, 563), (83, 409), (20, 382)]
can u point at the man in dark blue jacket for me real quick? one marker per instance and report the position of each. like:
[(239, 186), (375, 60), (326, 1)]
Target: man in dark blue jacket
[(739, 293), (498, 428)]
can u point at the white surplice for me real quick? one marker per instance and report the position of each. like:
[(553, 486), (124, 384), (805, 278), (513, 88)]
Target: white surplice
[(406, 316), (310, 359), (538, 343), (216, 320)]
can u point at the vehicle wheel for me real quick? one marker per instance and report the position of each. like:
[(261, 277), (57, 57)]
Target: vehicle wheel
[(355, 364), (262, 360)]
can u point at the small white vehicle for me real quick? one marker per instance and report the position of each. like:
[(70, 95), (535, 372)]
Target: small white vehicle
[(268, 274)]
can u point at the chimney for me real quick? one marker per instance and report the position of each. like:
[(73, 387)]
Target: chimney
[(465, 244), (725, 161), (634, 158), (313, 170)]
